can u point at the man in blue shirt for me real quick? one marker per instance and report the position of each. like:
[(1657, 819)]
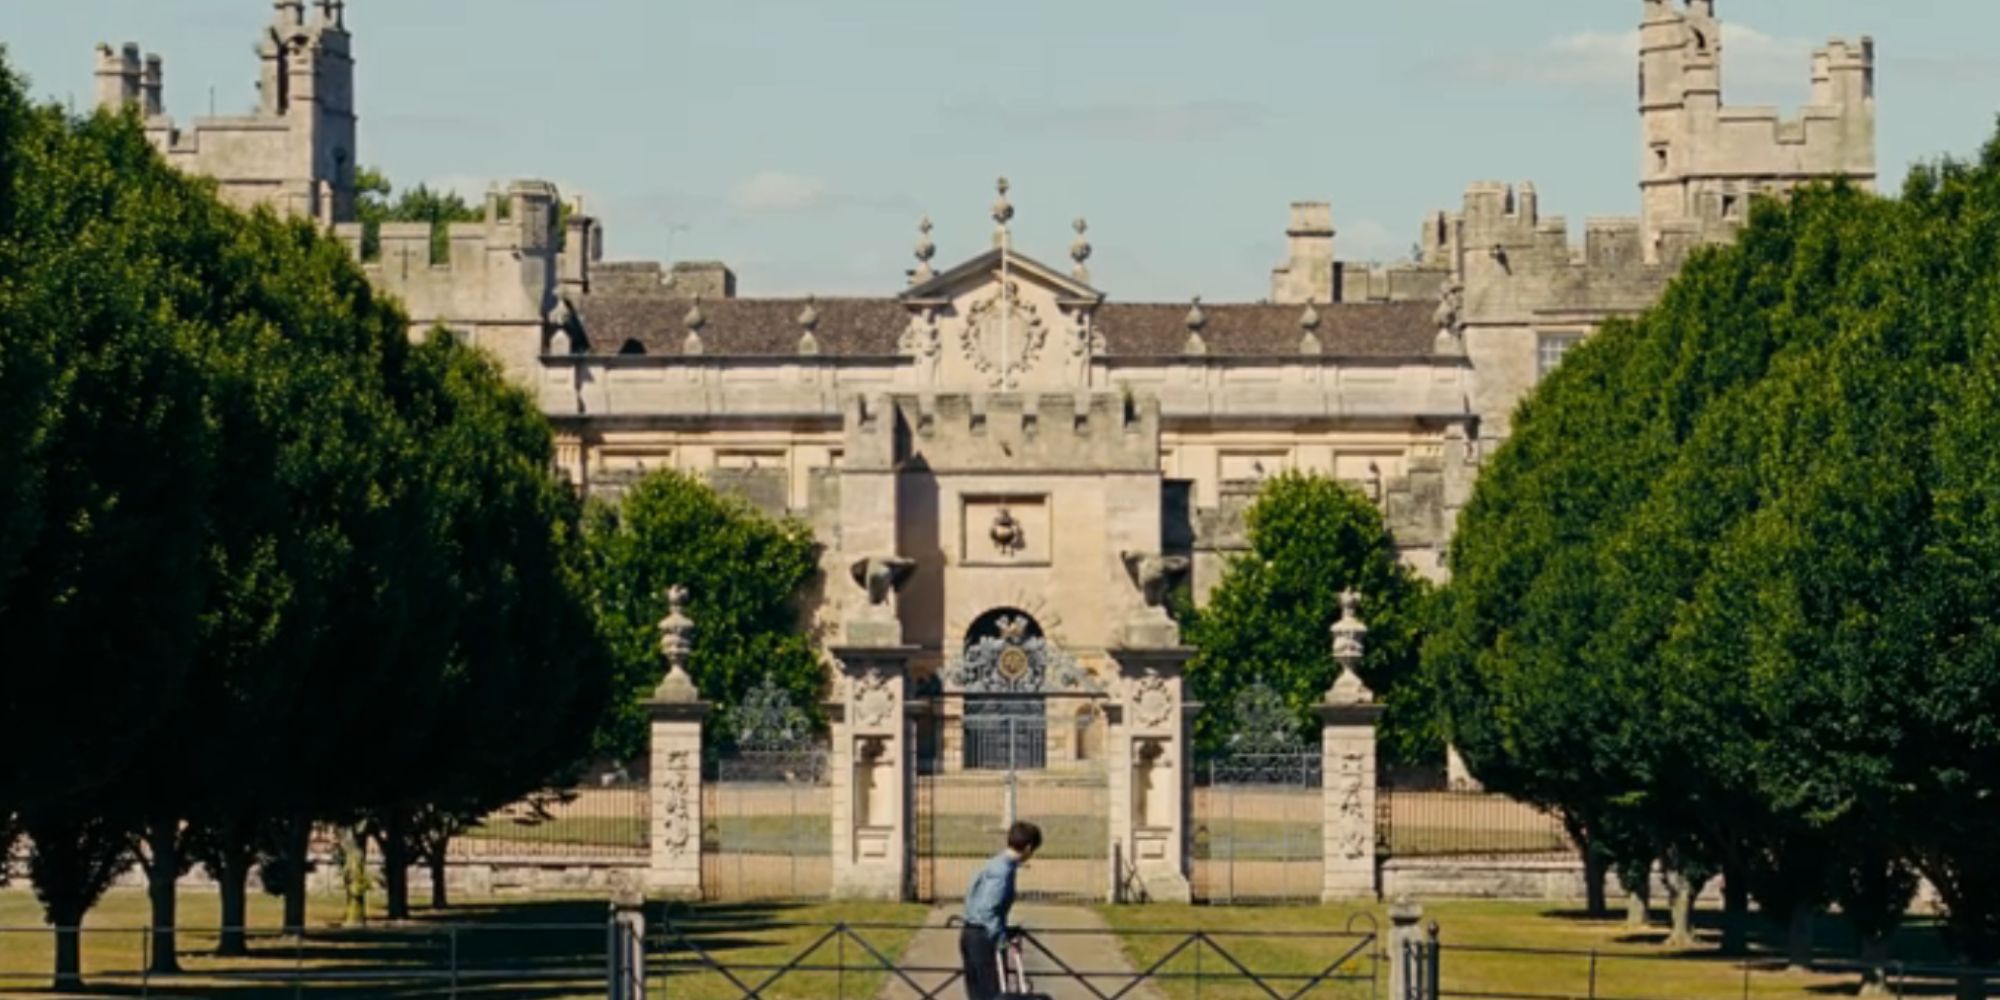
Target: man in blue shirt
[(987, 902)]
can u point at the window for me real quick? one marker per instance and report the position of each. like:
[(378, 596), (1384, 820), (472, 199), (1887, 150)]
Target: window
[(1551, 349)]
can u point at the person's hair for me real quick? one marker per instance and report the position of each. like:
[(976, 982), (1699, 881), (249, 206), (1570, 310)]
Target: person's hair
[(1024, 837)]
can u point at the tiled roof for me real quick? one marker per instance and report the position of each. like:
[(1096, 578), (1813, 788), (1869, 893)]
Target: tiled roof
[(740, 326), (873, 327), (1356, 329)]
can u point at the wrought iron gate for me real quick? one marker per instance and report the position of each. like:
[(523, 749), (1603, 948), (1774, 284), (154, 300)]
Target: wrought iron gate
[(1005, 734), (766, 832), (1259, 808), (1011, 730)]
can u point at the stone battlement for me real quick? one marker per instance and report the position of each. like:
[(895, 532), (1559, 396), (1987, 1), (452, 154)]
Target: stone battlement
[(1703, 160), (1048, 432), (496, 268)]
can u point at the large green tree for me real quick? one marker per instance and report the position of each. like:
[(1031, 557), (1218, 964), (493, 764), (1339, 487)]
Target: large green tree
[(253, 535), (1267, 620), (748, 577), (526, 678), (1732, 575)]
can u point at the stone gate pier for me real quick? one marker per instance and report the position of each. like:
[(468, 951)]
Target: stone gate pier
[(1349, 714)]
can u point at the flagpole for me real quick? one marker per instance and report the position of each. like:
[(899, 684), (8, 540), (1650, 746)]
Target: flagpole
[(1002, 212)]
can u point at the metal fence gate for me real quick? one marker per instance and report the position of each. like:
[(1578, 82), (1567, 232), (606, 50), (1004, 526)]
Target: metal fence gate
[(1012, 729), (1259, 808), (768, 807)]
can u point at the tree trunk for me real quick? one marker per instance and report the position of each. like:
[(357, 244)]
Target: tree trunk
[(1799, 938), (69, 953), (354, 876), (439, 898), (73, 863), (396, 863), (1874, 959), (1735, 912), (232, 883), (1636, 905), (163, 870), (298, 851), (1681, 893), (1595, 867)]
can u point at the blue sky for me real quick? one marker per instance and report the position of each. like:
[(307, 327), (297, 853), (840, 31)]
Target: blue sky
[(799, 140)]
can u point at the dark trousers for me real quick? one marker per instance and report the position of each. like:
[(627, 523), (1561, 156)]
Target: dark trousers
[(978, 949)]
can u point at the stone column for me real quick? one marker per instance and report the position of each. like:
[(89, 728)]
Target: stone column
[(872, 772), (673, 868), (1150, 781), (1347, 768)]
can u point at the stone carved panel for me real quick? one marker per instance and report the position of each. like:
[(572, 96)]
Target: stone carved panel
[(1152, 701), (676, 811), (1003, 337), (874, 698), (1005, 531), (874, 783), (1354, 833), (1151, 785), (921, 342)]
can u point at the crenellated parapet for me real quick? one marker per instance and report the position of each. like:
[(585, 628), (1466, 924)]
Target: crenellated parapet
[(1704, 160), (296, 152), (1045, 432), (502, 268)]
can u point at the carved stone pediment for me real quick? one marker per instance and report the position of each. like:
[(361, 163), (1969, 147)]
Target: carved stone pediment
[(1001, 321)]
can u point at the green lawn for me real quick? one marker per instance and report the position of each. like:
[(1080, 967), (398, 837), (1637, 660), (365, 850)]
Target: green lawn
[(1629, 964), (545, 947), (750, 941), (1067, 836)]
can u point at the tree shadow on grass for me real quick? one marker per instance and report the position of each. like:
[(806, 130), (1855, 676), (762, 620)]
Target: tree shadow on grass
[(1917, 941), (531, 949)]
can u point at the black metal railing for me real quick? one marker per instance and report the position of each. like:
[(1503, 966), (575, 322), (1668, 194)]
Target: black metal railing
[(841, 960), (1495, 972), (1422, 822), (598, 822)]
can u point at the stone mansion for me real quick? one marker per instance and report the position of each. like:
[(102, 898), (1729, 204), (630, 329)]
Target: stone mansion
[(999, 433)]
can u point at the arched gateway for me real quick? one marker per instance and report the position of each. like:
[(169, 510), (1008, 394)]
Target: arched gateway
[(1020, 697)]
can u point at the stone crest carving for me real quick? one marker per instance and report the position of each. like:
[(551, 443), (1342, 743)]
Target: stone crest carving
[(1152, 701), (1008, 535), (874, 700), (1003, 336), (676, 818), (920, 341)]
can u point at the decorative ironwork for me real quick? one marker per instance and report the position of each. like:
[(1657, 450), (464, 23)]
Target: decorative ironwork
[(1264, 746), (768, 722), (1015, 663), (1262, 723)]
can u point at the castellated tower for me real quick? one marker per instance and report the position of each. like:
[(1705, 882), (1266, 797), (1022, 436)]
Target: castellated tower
[(296, 152), (1703, 161)]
